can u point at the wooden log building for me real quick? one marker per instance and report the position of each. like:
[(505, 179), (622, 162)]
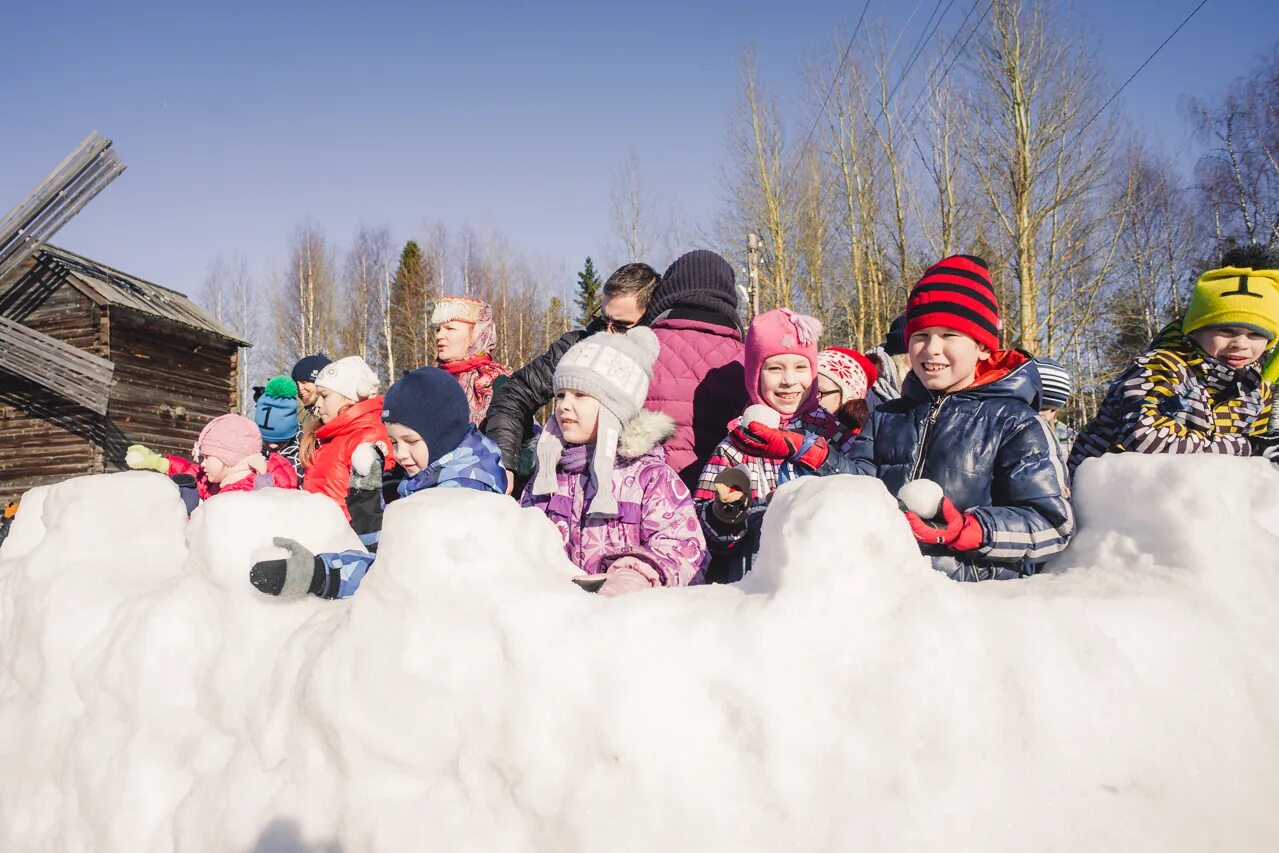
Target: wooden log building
[(92, 360)]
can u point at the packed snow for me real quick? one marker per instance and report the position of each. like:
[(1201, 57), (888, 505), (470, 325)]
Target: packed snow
[(470, 698)]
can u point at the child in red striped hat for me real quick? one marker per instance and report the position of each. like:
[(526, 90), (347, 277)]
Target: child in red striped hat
[(965, 421)]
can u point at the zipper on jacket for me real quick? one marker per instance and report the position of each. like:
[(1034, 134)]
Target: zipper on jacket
[(921, 449)]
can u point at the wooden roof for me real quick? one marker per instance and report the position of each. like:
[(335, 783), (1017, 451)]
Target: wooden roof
[(108, 286)]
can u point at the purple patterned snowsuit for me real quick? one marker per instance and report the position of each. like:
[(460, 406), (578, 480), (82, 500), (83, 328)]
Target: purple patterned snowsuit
[(656, 534)]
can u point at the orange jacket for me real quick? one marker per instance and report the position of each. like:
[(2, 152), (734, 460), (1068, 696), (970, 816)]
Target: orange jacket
[(330, 471)]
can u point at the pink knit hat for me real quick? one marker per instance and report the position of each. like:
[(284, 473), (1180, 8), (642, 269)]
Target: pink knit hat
[(781, 332), (229, 438)]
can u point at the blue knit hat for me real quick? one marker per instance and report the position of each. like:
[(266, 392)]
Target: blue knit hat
[(431, 403), (308, 366), (895, 342), (276, 413)]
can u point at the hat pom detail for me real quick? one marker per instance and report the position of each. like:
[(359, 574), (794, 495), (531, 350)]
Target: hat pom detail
[(280, 386), (809, 329), (645, 342)]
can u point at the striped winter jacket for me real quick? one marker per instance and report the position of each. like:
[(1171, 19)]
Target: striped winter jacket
[(992, 455), (1178, 399)]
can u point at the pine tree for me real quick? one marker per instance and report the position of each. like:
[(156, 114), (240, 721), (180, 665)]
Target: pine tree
[(588, 292), (410, 300)]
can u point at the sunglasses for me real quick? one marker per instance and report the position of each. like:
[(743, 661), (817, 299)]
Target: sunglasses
[(613, 326)]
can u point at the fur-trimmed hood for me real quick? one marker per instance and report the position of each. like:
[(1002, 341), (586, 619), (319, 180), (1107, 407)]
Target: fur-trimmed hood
[(644, 432)]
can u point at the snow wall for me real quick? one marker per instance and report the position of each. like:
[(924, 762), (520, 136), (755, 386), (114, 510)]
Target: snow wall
[(471, 698)]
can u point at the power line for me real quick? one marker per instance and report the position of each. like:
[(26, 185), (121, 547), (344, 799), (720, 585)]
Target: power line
[(911, 111), (839, 69), (924, 38), (1134, 74), (919, 102)]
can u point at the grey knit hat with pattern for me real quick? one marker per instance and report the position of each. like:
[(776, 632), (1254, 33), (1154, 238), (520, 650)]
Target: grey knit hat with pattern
[(614, 369)]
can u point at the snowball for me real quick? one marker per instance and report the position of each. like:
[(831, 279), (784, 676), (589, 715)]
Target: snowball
[(471, 697), (766, 415), (922, 497)]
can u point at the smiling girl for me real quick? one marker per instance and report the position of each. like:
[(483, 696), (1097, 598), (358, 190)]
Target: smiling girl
[(756, 457)]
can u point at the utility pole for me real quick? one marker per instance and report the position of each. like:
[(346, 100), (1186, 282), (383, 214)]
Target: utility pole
[(752, 271)]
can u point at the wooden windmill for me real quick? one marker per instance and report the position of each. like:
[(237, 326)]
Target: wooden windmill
[(93, 358), (66, 370)]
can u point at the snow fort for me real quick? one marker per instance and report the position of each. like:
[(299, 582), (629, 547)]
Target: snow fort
[(469, 697)]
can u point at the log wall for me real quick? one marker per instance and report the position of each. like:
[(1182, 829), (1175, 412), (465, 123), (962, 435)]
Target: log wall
[(169, 382)]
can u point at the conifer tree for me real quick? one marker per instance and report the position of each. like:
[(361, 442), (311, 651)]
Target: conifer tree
[(410, 300), (588, 292)]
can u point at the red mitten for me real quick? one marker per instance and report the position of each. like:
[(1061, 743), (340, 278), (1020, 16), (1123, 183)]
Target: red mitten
[(767, 442), (961, 531)]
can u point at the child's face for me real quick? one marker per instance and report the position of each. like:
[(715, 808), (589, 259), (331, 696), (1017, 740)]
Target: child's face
[(578, 415), (214, 469), (452, 339), (944, 360), (306, 393), (1049, 413), (1232, 345), (828, 394), (330, 404), (784, 381), (410, 449)]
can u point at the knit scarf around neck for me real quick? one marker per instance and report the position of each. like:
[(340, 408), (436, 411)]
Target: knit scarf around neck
[(467, 364)]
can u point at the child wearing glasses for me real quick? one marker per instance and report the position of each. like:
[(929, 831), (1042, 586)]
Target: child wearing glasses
[(844, 376), (784, 435)]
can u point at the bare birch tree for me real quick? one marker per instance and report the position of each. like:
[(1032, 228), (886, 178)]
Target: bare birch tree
[(306, 299), (228, 293), (1036, 89), (366, 268), (761, 199)]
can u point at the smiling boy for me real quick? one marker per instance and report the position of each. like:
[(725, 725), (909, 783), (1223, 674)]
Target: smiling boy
[(967, 420), (1200, 388)]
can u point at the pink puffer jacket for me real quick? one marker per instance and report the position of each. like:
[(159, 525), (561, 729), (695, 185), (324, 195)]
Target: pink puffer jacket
[(698, 380)]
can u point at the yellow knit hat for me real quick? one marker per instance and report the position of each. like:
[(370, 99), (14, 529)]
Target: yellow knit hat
[(1235, 296)]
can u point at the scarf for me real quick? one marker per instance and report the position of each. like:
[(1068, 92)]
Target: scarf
[(550, 448), (467, 364)]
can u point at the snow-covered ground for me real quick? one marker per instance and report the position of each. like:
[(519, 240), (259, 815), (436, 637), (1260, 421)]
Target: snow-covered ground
[(470, 698)]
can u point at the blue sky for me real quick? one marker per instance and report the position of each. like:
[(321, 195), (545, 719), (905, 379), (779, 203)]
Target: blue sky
[(239, 121)]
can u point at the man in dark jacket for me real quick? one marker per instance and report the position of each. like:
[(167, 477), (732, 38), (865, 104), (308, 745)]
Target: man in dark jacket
[(510, 416)]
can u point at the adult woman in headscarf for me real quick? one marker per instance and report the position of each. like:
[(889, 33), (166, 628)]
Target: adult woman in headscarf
[(465, 338)]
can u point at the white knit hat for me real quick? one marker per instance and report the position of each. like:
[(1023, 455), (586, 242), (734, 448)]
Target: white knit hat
[(351, 377)]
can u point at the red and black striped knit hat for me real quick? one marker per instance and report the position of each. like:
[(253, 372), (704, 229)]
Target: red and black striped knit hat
[(956, 293)]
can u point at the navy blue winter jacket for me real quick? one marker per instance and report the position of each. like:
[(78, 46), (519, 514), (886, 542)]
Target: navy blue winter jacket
[(992, 455)]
